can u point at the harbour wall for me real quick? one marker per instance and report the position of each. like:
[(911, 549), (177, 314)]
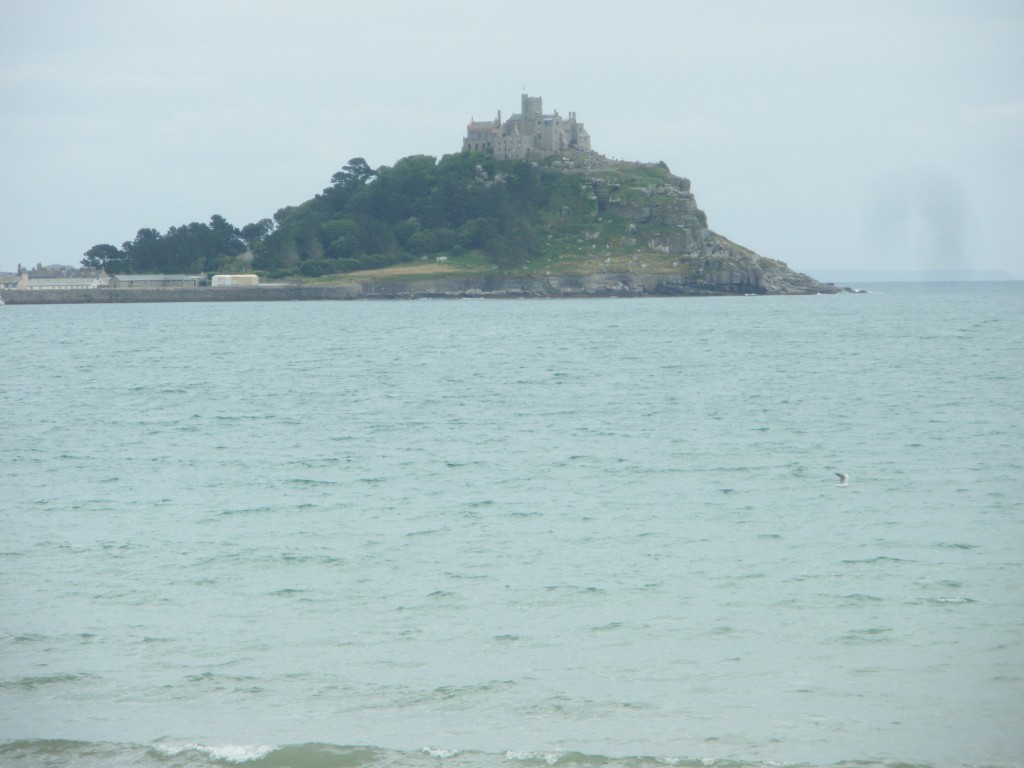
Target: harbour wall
[(624, 285)]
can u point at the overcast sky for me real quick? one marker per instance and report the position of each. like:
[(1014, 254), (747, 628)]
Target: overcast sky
[(826, 134)]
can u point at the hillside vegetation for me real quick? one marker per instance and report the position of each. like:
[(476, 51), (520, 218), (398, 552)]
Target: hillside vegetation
[(571, 214)]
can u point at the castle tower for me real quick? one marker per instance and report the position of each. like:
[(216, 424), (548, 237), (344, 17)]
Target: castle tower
[(532, 108)]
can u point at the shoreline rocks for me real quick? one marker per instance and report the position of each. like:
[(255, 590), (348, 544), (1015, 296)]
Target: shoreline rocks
[(714, 277)]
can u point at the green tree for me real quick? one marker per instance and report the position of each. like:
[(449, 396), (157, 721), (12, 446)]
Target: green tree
[(344, 238), (356, 172), (255, 232), (145, 252), (108, 258)]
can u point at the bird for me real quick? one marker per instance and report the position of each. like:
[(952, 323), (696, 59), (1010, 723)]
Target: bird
[(844, 480)]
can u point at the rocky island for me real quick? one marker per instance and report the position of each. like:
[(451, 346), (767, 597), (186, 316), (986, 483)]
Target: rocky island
[(526, 209)]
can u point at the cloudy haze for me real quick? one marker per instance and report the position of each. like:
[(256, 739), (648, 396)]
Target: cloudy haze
[(870, 135)]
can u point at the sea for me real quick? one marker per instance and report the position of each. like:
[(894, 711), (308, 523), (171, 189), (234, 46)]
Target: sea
[(589, 533)]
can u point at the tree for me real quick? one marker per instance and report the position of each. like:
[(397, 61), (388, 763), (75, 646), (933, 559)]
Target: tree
[(255, 232), (477, 233), (515, 245), (226, 241), (106, 257), (344, 238), (145, 252), (355, 173)]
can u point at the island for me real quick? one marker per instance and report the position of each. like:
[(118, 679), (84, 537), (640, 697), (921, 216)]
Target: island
[(527, 208)]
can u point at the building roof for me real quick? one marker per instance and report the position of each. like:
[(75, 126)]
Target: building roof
[(62, 282), (155, 278)]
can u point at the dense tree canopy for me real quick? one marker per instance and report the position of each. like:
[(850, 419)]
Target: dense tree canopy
[(368, 219), (191, 248)]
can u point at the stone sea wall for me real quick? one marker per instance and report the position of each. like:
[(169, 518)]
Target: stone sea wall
[(714, 283)]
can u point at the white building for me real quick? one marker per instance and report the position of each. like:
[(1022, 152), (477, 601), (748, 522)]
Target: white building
[(235, 280)]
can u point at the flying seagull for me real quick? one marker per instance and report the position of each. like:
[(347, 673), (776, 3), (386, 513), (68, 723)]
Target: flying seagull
[(844, 480)]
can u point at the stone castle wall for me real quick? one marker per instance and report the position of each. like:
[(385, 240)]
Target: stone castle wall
[(528, 135)]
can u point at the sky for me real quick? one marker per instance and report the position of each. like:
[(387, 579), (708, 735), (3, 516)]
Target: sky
[(830, 135)]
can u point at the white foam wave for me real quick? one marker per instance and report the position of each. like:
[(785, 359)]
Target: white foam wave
[(230, 753), (437, 752), (548, 757)]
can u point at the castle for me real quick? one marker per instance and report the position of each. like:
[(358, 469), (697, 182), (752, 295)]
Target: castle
[(528, 135)]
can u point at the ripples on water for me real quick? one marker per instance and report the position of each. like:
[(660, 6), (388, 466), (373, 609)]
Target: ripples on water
[(514, 533)]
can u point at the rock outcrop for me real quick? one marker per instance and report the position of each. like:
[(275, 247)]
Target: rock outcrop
[(644, 212)]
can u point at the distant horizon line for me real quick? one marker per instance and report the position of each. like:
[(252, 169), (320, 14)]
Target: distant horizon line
[(912, 275)]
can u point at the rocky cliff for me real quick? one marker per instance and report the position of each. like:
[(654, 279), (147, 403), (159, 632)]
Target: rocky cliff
[(646, 219)]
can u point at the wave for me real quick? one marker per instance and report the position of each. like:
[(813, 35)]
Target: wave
[(165, 753), (32, 682)]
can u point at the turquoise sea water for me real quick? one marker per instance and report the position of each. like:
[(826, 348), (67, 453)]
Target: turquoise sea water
[(515, 533)]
